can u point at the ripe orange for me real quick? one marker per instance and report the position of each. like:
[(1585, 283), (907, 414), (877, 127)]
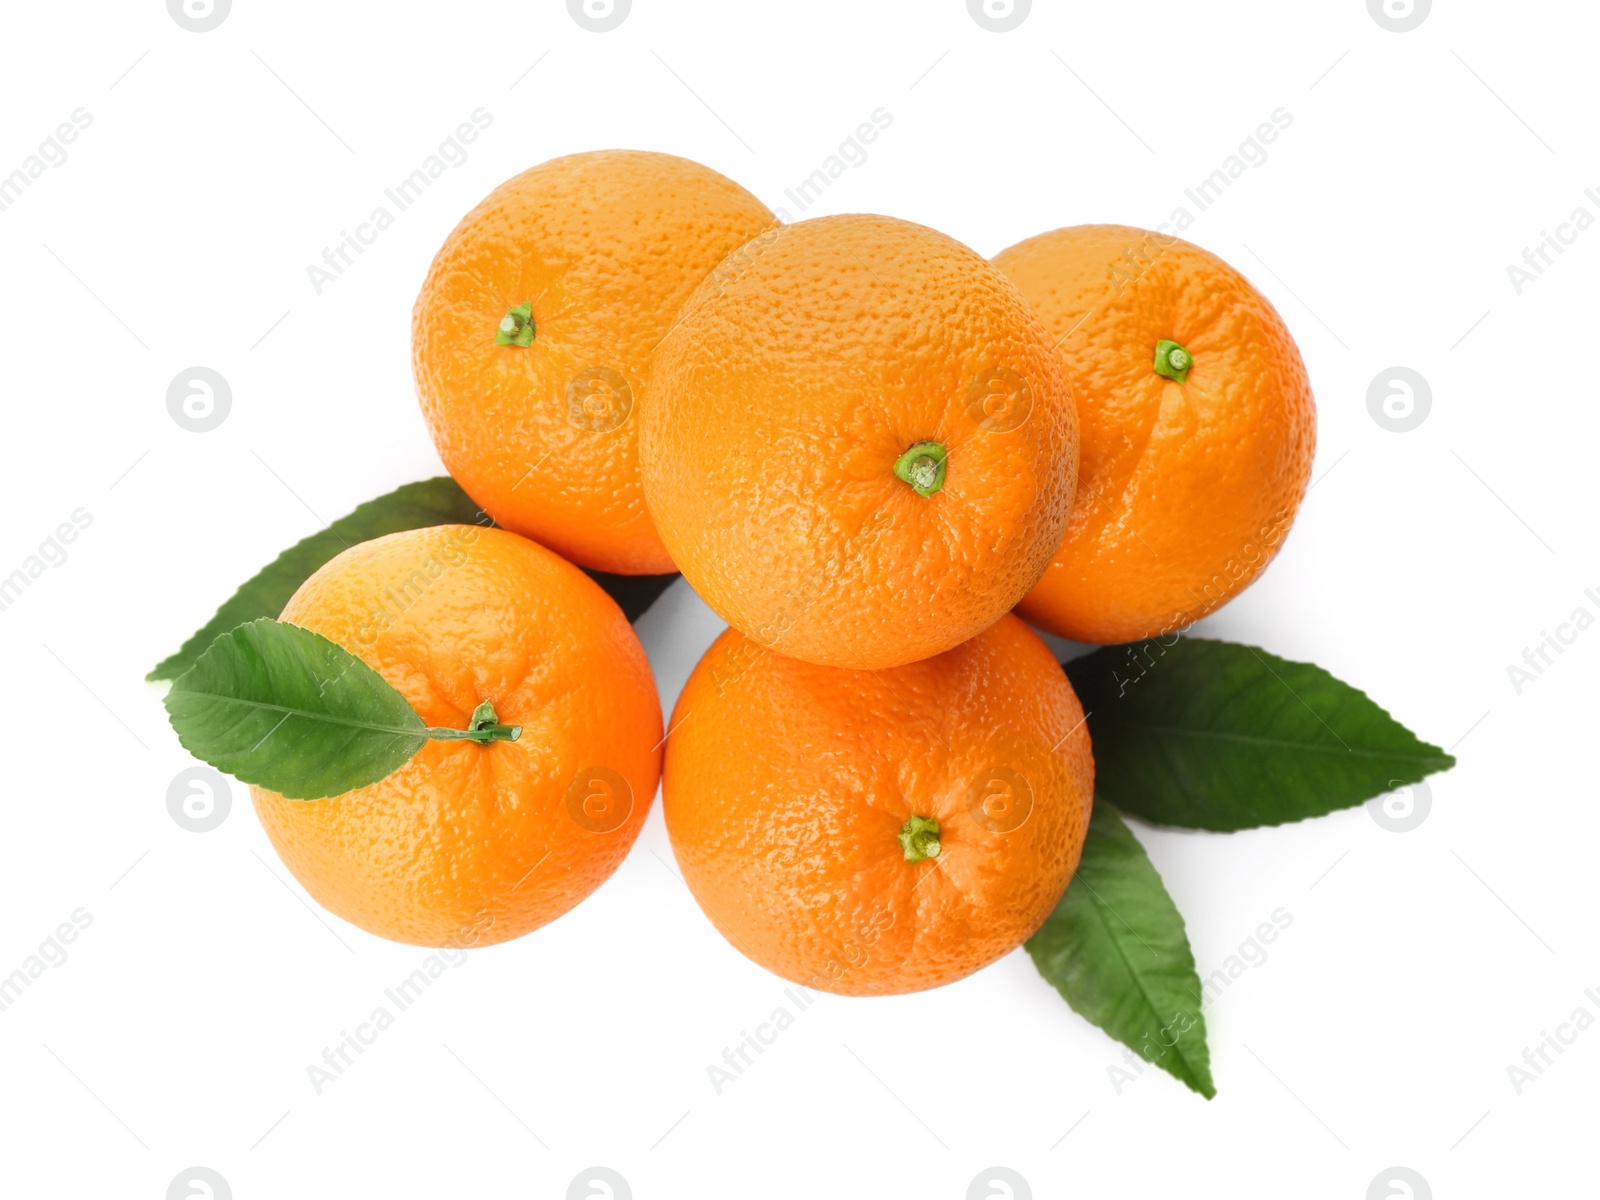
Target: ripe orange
[(477, 843), (858, 444), (1192, 466), (871, 832), (532, 331)]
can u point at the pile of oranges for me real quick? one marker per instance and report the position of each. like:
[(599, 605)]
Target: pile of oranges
[(871, 451)]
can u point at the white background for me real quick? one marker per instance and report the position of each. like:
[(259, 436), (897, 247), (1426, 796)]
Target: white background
[(1418, 966)]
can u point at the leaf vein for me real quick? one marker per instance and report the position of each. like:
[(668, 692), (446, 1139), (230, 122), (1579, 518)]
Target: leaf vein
[(1100, 906), (419, 731), (1436, 755)]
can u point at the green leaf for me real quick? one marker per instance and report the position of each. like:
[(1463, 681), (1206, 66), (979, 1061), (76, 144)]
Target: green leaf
[(1116, 949), (412, 506), (277, 705), (438, 501), (1214, 735)]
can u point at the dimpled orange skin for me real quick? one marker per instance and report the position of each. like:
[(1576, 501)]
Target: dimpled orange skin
[(795, 377), (786, 785), (473, 844), (606, 247), (1185, 490)]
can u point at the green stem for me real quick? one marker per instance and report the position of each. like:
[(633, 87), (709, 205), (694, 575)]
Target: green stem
[(483, 727), (923, 467), (516, 328), (919, 838), (1173, 361)]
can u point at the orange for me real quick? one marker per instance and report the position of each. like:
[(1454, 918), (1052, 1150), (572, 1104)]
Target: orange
[(858, 444), (532, 331), (474, 843), (1192, 465), (872, 832)]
